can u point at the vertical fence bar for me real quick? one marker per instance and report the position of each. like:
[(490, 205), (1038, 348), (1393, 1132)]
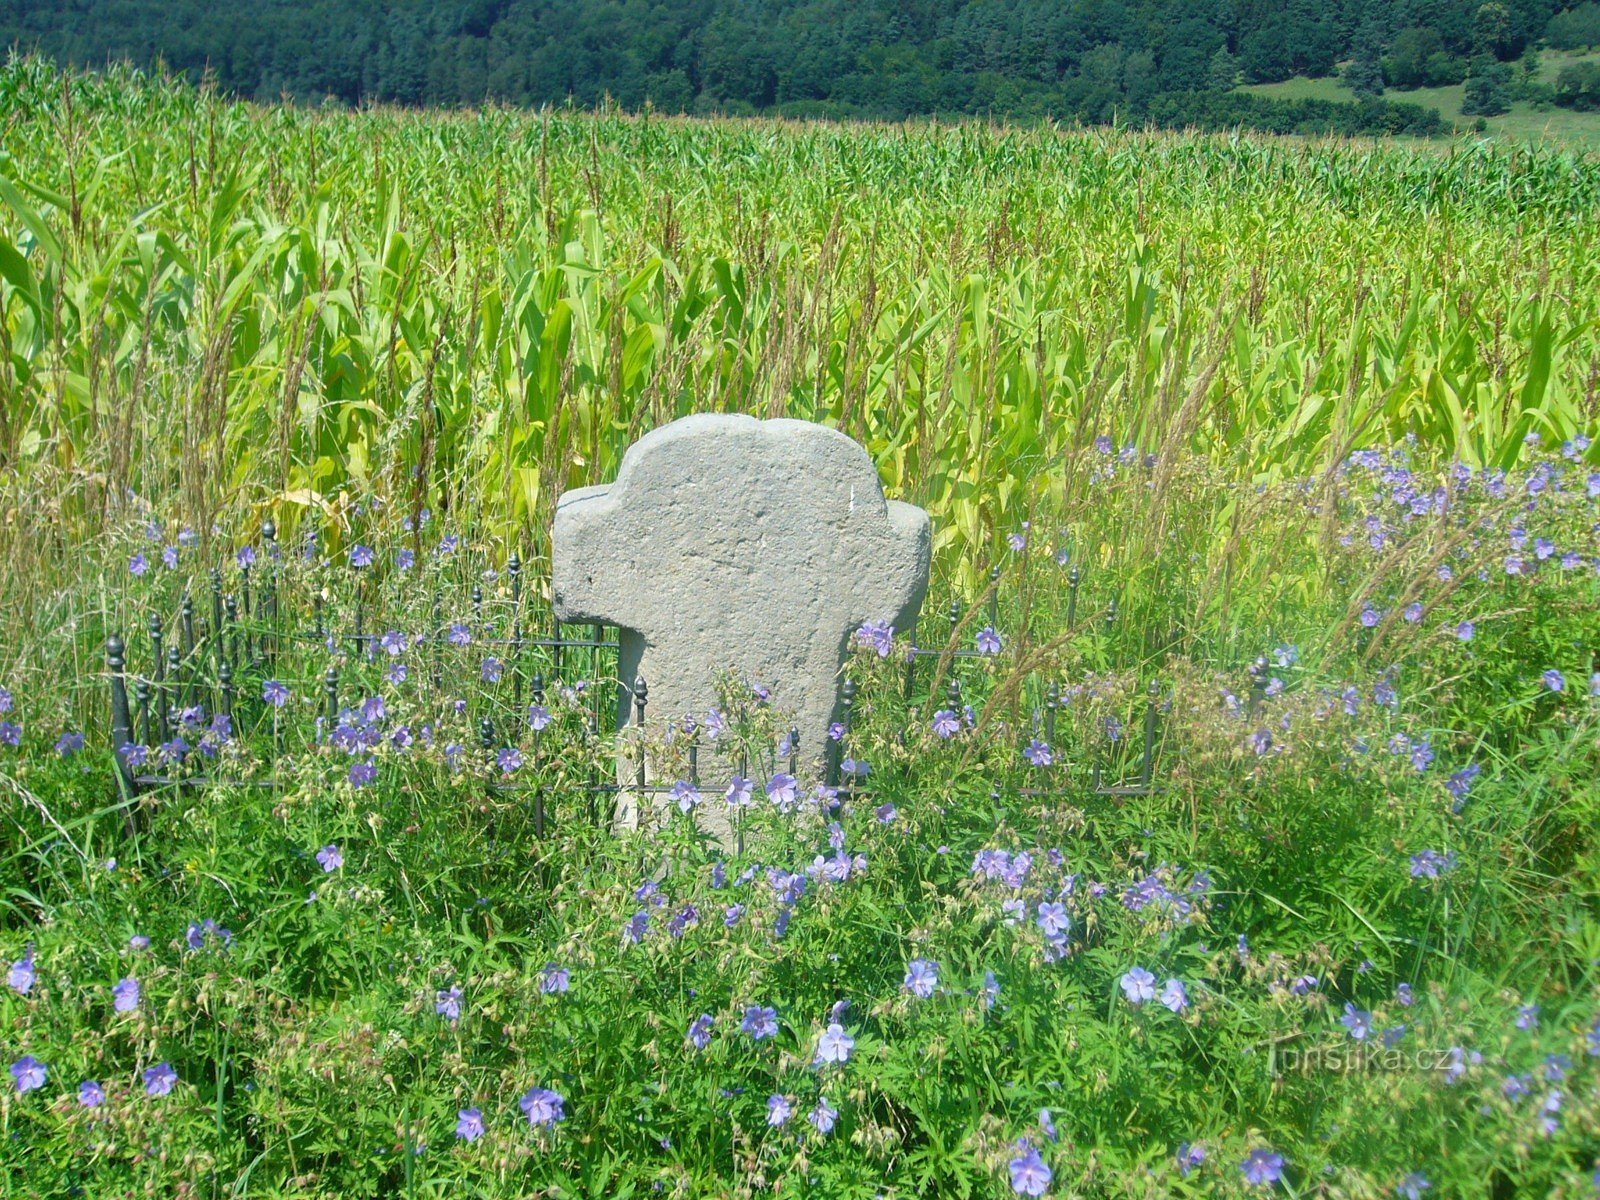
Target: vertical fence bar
[(175, 680), (269, 536), (141, 691), (594, 772), (1074, 578), (514, 567), (187, 611), (847, 703), (158, 674), (538, 785), (230, 635), (439, 637), (216, 612), (641, 693), (244, 588), (330, 691), (1150, 717), (121, 722)]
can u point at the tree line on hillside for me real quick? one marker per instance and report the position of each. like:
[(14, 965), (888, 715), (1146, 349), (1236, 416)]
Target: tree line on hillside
[(1157, 61)]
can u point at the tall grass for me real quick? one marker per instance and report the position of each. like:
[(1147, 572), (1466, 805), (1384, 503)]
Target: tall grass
[(475, 310)]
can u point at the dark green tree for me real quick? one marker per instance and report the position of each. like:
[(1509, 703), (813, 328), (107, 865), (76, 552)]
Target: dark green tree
[(1488, 92)]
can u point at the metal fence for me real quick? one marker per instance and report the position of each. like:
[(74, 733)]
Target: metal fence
[(219, 659)]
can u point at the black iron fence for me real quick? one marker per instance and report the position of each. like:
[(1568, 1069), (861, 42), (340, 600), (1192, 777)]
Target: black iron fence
[(210, 670)]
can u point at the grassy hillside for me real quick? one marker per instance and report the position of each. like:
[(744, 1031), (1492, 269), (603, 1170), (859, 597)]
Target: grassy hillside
[(1524, 123)]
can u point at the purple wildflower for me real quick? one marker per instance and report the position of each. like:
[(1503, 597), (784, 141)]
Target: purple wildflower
[(447, 1003), (125, 995), (779, 1110), (159, 1079), (91, 1094), (1190, 1157), (1138, 985), (543, 1107), (23, 974), (922, 976), (1262, 1167), (29, 1073), (469, 1124), (760, 1023), (834, 1045), (331, 858), (1029, 1174), (824, 1116), (556, 979), (1357, 1021), (988, 640)]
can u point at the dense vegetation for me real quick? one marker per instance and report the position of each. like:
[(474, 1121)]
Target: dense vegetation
[(1310, 421), (1091, 60)]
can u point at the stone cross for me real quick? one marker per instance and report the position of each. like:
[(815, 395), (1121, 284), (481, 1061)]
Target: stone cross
[(732, 543)]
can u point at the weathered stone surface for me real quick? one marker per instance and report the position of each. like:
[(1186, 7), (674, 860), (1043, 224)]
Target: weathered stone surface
[(728, 542)]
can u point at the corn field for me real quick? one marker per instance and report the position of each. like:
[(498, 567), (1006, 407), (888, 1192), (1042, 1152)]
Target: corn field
[(217, 308)]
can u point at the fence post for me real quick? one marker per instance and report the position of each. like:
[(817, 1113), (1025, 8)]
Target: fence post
[(158, 673), (538, 785), (244, 587), (175, 681), (1150, 717), (121, 724), (330, 689), (847, 703), (188, 624), (486, 741), (141, 691), (225, 682), (514, 568), (216, 610), (994, 597), (1074, 578), (269, 535), (231, 639), (641, 693)]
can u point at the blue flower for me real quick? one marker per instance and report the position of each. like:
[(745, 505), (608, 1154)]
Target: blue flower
[(824, 1116), (125, 995), (543, 1107), (922, 977), (759, 1022), (1030, 1176), (160, 1079), (1138, 985), (1262, 1167), (469, 1124), (29, 1073), (1357, 1021)]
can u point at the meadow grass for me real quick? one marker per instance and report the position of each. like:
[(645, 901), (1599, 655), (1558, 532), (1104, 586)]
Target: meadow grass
[(1309, 423), (1524, 124)]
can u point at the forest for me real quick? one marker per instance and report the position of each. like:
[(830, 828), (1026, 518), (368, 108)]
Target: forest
[(1140, 62)]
